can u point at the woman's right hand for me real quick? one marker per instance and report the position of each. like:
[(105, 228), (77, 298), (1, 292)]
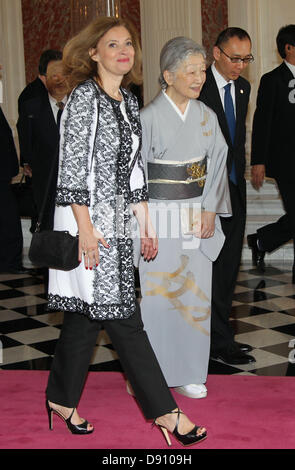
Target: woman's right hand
[(89, 240), (89, 237), (204, 225)]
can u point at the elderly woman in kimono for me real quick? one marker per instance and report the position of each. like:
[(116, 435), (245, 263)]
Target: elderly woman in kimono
[(185, 155)]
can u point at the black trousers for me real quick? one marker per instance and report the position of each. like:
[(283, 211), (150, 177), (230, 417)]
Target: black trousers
[(274, 235), (73, 354), (225, 272), (11, 236)]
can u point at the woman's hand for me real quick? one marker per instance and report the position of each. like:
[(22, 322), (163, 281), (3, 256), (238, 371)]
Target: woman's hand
[(148, 237), (205, 225), (89, 237), (148, 244), (88, 246)]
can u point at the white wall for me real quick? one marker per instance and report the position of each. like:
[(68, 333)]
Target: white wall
[(162, 20), (11, 57)]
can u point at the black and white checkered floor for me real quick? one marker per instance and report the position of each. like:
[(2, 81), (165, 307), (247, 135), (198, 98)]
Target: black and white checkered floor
[(263, 316)]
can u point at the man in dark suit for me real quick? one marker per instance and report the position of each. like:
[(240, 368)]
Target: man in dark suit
[(38, 129), (36, 88), (11, 237), (227, 93), (39, 136), (273, 146)]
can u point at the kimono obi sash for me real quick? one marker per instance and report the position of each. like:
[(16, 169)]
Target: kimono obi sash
[(176, 180)]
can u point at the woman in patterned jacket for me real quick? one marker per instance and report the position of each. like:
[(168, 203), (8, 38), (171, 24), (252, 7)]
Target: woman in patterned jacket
[(101, 177)]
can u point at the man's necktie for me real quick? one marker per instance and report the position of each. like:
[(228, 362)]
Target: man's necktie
[(231, 121), (60, 106)]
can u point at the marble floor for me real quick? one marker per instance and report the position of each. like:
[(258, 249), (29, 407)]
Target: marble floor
[(263, 315)]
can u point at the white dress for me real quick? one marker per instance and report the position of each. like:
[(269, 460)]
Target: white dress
[(100, 167)]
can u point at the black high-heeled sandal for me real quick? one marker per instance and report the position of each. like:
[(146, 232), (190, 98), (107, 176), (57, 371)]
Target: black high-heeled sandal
[(73, 428), (185, 439)]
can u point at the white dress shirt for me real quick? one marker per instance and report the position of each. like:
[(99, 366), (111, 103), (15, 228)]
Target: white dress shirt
[(55, 108), (221, 83), (291, 67)]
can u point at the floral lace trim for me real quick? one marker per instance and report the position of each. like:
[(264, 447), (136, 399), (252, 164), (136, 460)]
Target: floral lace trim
[(93, 311), (139, 195), (66, 197)]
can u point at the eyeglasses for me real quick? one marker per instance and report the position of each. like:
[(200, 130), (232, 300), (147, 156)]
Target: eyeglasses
[(238, 60)]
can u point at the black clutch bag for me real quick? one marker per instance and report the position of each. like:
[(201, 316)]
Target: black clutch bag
[(52, 248)]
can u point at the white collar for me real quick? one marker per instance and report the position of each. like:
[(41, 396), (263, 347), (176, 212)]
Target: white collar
[(291, 67), (220, 80), (183, 116), (54, 101)]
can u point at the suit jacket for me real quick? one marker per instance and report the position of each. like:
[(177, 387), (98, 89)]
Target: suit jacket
[(8, 155), (33, 89), (273, 141), (211, 97), (39, 141)]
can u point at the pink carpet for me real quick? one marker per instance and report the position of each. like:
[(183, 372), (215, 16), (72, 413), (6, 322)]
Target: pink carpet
[(240, 412)]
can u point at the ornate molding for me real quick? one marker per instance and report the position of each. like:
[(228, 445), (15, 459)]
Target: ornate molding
[(84, 11)]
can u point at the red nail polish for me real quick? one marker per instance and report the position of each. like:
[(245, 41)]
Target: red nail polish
[(86, 267), (96, 265), (90, 268)]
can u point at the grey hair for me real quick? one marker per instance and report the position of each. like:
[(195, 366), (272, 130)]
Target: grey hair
[(176, 51)]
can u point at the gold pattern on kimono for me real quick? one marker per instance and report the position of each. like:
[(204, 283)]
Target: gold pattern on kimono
[(203, 124), (196, 172), (184, 283), (206, 118)]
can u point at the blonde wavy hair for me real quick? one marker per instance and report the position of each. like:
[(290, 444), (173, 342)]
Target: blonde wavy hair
[(78, 65)]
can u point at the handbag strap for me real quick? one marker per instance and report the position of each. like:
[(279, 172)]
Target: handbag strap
[(50, 179), (55, 160)]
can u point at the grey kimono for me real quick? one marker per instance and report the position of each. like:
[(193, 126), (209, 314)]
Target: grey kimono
[(176, 286)]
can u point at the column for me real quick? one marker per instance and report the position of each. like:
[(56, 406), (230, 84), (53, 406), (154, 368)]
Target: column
[(162, 20), (262, 19), (11, 57)]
